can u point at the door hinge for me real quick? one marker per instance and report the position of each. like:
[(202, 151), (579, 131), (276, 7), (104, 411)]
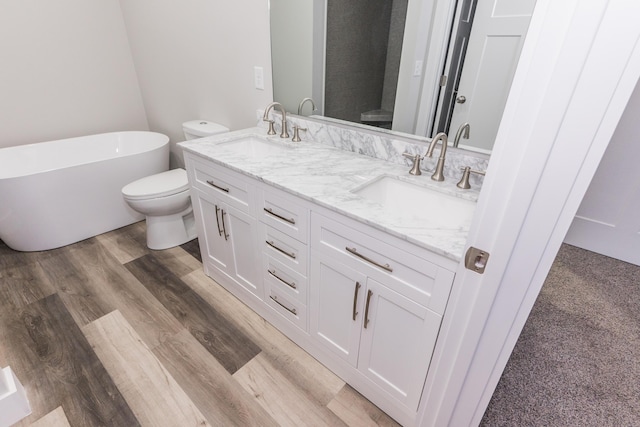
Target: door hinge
[(443, 80), (476, 259)]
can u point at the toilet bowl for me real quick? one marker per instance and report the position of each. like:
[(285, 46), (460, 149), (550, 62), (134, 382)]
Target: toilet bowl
[(165, 202), (164, 197)]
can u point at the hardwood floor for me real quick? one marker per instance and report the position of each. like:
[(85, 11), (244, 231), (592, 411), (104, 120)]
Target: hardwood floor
[(57, 359), (108, 332), (214, 332)]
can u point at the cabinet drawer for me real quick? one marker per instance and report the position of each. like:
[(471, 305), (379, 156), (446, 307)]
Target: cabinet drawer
[(235, 190), (283, 248), (276, 275), (292, 310), (284, 214), (412, 276)]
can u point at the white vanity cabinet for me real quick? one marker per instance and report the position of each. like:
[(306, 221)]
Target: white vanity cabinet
[(375, 305), (223, 205), (365, 303)]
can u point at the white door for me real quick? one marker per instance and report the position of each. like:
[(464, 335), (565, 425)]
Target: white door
[(497, 35), (567, 98), (241, 231), (398, 336), (337, 306), (214, 248), (608, 220)]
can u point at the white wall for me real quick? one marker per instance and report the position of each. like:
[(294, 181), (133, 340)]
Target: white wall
[(195, 60), (292, 21), (424, 18), (66, 71), (608, 221)]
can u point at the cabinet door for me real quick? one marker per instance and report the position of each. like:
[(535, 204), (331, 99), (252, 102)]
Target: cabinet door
[(397, 342), (241, 231), (337, 301), (227, 241), (214, 248)]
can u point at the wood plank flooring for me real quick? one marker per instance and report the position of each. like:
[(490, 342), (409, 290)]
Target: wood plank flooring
[(214, 332), (108, 332), (55, 418), (56, 357), (135, 370)]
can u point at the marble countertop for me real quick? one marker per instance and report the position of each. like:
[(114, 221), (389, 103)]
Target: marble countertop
[(327, 176)]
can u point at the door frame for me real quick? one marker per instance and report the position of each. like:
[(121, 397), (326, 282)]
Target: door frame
[(453, 67), (568, 94)]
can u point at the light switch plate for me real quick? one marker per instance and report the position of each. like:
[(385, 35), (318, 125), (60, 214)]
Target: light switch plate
[(417, 69), (258, 77)]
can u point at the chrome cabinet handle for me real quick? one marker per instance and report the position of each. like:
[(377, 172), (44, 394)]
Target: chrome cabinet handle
[(366, 309), (218, 221), (355, 300), (273, 245), (354, 251), (224, 229), (291, 285), (211, 183), (290, 310), (271, 212), (461, 99)]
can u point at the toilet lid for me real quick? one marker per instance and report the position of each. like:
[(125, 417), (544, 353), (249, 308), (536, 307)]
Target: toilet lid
[(158, 185)]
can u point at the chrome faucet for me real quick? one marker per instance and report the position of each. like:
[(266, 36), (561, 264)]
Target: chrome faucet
[(313, 105), (442, 137), (265, 118), (464, 180), (466, 128)]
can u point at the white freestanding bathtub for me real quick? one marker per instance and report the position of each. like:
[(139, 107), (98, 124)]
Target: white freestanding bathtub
[(60, 192)]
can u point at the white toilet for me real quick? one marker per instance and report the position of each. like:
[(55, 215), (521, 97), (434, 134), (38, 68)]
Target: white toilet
[(164, 198)]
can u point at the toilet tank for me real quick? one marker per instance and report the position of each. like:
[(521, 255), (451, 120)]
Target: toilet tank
[(200, 128)]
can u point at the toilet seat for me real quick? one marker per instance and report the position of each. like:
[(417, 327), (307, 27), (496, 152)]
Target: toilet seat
[(155, 186)]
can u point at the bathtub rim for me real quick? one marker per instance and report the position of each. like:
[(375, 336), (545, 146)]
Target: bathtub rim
[(163, 140)]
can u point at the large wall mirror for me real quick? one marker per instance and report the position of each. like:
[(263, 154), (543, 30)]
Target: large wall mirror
[(410, 66)]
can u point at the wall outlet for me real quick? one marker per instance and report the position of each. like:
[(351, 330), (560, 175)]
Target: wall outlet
[(258, 77)]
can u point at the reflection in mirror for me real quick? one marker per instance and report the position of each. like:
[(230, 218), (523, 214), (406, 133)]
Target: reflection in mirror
[(362, 59), (297, 51), (413, 66)]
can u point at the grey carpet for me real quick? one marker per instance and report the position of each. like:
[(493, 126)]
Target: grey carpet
[(577, 361)]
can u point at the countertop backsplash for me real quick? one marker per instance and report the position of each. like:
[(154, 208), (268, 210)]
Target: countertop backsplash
[(382, 145)]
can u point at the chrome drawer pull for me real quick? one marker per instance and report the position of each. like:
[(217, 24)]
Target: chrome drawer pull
[(366, 309), (290, 310), (273, 245), (291, 285), (218, 220), (353, 251), (355, 300), (224, 229), (211, 183), (289, 220)]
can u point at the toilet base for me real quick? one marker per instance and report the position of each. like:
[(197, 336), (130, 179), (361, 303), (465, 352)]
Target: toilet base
[(168, 231)]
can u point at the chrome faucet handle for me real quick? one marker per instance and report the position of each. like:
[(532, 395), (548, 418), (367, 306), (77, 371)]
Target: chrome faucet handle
[(464, 181), (415, 169), (296, 133), (271, 130)]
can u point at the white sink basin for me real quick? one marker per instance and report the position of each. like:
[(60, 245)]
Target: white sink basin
[(254, 147), (414, 202)]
